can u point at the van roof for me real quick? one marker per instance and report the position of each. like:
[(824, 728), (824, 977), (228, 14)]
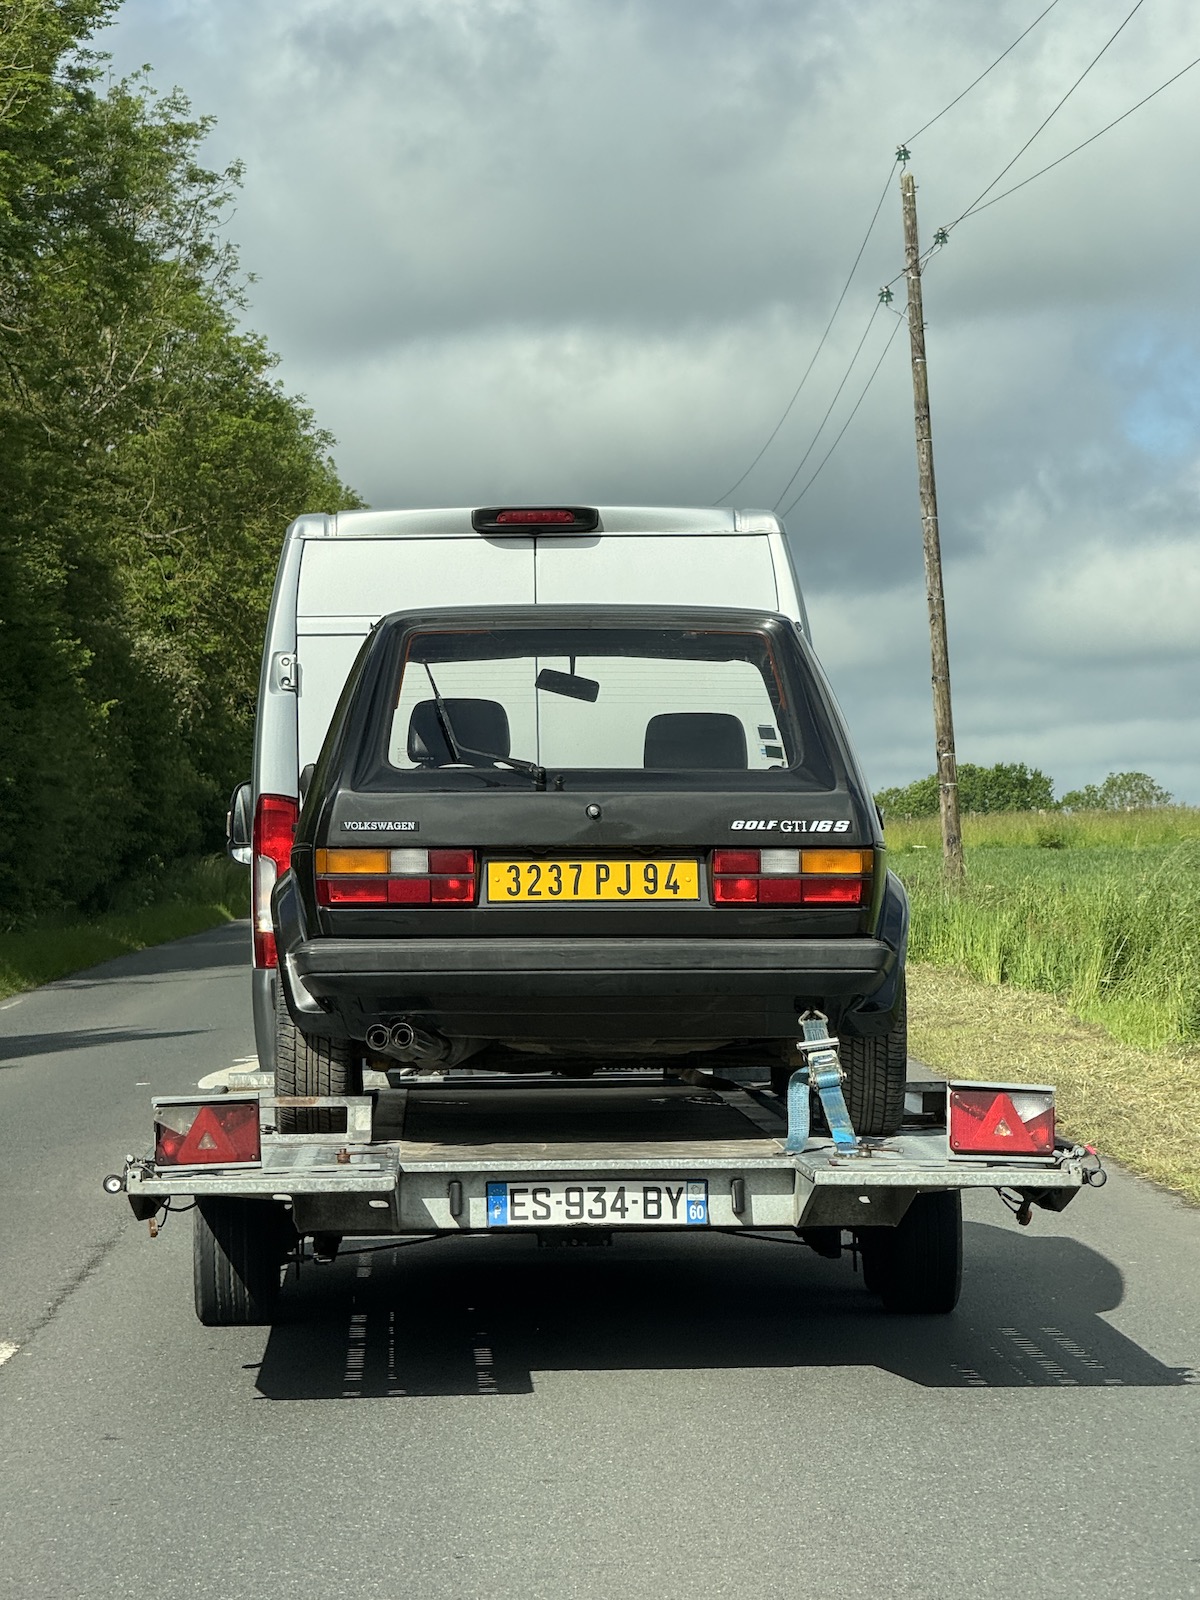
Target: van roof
[(454, 522)]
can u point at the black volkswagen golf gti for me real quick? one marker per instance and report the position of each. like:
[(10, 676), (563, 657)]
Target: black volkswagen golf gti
[(559, 838)]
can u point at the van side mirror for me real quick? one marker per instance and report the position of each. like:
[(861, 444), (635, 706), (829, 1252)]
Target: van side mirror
[(239, 825), (305, 779)]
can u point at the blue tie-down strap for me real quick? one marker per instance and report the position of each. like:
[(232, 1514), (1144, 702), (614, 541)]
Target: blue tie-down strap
[(821, 1071)]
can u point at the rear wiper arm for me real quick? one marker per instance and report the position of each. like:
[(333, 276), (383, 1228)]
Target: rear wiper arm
[(457, 750)]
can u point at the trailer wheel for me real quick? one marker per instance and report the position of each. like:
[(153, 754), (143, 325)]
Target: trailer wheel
[(307, 1065), (916, 1267), (876, 1070), (238, 1248)]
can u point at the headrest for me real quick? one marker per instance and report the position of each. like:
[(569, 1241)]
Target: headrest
[(696, 739), (476, 724)]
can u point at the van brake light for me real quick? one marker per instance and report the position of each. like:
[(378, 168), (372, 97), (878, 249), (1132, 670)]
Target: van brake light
[(517, 519), (275, 819)]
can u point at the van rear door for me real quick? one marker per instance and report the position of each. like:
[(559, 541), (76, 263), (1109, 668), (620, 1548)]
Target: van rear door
[(347, 584), (675, 569)]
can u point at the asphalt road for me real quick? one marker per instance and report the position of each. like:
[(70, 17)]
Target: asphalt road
[(478, 1420)]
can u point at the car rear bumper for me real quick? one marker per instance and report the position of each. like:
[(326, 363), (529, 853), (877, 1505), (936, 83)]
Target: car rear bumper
[(601, 989)]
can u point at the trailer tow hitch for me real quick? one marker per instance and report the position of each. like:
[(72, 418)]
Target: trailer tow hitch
[(821, 1070), (1022, 1201)]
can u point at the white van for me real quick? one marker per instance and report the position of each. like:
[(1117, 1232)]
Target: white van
[(340, 573)]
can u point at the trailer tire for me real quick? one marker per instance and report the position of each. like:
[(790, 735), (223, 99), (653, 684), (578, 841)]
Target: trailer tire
[(876, 1070), (916, 1267), (307, 1065), (238, 1248)]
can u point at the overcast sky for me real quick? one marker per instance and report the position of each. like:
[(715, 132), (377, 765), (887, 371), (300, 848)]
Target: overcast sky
[(585, 249)]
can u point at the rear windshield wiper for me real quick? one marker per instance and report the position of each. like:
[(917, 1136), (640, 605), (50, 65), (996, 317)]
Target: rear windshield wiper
[(459, 750)]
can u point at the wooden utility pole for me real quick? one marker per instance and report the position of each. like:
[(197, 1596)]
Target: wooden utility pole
[(943, 719)]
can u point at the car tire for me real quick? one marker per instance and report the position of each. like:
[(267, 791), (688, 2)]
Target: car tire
[(308, 1065), (876, 1069), (238, 1249), (916, 1267)]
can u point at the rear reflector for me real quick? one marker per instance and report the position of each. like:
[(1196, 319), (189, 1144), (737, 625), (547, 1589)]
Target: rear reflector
[(352, 891), (1001, 1119), (220, 1135), (518, 519)]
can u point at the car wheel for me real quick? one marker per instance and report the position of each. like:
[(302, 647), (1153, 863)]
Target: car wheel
[(876, 1070), (308, 1065), (916, 1267), (238, 1249)]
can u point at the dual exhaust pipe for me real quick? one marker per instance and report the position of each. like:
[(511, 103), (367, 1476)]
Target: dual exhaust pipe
[(400, 1036), (402, 1042)]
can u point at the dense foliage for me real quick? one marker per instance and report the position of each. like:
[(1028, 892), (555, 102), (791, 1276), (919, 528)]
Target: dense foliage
[(148, 465), (1011, 787), (1016, 787), (1120, 791)]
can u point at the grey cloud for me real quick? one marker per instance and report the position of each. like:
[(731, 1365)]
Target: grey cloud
[(586, 247)]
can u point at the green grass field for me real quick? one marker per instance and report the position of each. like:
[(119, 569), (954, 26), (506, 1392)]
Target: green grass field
[(194, 896), (1101, 910)]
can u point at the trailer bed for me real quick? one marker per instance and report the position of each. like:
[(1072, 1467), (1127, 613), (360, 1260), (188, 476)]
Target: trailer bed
[(420, 1157)]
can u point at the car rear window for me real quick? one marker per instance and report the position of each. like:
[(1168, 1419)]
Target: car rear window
[(645, 704)]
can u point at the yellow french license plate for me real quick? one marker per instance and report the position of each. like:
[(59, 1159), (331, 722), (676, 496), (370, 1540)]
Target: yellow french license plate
[(548, 882)]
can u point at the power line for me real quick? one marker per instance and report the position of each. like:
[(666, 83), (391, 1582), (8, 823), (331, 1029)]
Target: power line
[(787, 410), (836, 395), (974, 211), (725, 495), (982, 75), (1008, 167), (900, 320)]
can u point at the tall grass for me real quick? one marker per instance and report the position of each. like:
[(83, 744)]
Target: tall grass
[(1109, 921), (1053, 830)]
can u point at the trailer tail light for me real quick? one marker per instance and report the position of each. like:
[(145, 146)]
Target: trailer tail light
[(395, 877), (200, 1134), (791, 877), (1000, 1119), (275, 820)]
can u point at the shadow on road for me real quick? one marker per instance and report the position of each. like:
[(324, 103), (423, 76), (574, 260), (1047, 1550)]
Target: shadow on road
[(480, 1317), (19, 1046)]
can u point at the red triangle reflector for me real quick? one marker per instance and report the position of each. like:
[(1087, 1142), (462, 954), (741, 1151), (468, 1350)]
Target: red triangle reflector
[(208, 1140), (993, 1128)]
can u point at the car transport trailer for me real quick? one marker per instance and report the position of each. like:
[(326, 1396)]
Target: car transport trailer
[(579, 1159)]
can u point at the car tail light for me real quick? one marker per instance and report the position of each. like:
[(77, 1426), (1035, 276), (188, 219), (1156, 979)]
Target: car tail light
[(275, 819), (395, 877), (791, 877), (1000, 1119), (224, 1134)]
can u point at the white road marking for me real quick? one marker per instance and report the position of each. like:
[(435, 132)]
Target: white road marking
[(9, 1004), (7, 1351)]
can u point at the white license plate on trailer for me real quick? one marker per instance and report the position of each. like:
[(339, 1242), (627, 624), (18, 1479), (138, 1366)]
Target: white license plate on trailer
[(640, 1203)]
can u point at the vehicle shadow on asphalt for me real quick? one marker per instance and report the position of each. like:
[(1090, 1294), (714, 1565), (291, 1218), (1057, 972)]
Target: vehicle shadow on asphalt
[(19, 1046), (481, 1317)]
